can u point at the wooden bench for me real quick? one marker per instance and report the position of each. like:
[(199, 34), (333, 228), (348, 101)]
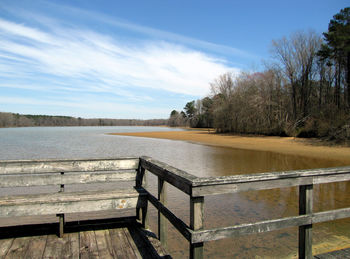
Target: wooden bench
[(27, 173)]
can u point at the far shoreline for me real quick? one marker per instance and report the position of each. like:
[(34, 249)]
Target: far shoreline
[(283, 145)]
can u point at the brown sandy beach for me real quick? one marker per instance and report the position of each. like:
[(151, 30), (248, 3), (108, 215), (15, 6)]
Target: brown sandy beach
[(286, 145)]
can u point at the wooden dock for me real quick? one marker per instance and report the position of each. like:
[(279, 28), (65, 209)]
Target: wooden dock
[(134, 240), (86, 240)]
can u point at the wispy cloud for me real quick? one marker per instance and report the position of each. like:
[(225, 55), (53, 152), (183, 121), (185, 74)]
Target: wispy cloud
[(58, 57)]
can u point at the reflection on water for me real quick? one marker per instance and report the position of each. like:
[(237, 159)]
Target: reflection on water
[(201, 160)]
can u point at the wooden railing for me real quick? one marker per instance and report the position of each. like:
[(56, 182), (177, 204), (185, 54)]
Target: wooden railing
[(62, 172), (58, 173), (197, 188)]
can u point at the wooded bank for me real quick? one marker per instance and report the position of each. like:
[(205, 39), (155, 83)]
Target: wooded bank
[(303, 91), (8, 120)]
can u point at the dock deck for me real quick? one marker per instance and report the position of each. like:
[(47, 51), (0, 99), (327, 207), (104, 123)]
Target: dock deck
[(121, 240)]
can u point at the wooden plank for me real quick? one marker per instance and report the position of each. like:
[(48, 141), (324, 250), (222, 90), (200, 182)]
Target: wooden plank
[(88, 245), (250, 228), (321, 172), (64, 165), (121, 245), (69, 207), (5, 245), (178, 178), (18, 248), (56, 178), (74, 245), (74, 207), (264, 184), (65, 247), (132, 243), (104, 245), (268, 225), (162, 223), (58, 203), (36, 247), (175, 221), (248, 186), (305, 231), (61, 223), (67, 197), (239, 183), (324, 216), (147, 243), (196, 223)]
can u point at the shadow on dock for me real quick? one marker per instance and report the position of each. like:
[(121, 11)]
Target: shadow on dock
[(103, 238)]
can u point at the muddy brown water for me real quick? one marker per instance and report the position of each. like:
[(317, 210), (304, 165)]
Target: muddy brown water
[(201, 160)]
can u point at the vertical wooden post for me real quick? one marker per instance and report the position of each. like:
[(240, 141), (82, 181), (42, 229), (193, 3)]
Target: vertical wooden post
[(141, 181), (162, 223), (196, 223), (305, 232), (61, 216), (61, 224)]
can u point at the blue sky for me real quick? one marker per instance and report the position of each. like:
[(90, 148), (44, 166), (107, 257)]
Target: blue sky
[(136, 59)]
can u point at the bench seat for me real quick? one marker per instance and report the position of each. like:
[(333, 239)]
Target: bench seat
[(69, 202)]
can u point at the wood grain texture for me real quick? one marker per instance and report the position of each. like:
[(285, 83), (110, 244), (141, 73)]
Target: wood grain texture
[(56, 178), (57, 203), (178, 178), (65, 165)]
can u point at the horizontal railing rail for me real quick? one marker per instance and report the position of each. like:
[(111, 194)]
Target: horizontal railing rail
[(197, 188)]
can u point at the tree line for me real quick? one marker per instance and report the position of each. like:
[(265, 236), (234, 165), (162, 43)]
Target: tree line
[(18, 120), (304, 91)]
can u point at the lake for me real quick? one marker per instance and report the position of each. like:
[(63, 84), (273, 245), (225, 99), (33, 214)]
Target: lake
[(200, 160)]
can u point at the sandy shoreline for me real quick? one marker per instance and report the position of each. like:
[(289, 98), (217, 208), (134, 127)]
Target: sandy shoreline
[(273, 144)]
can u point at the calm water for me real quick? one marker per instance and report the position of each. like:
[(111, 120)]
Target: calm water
[(200, 160)]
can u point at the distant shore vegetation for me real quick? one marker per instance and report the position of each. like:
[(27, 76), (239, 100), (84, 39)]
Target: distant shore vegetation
[(304, 91), (21, 120)]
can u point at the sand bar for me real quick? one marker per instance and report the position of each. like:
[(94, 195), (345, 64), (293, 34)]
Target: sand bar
[(286, 145)]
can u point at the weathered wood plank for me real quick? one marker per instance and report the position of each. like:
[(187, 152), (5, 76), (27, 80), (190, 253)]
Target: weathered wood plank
[(74, 245), (121, 244), (250, 228), (268, 225), (64, 165), (65, 247), (175, 221), (88, 245), (305, 231), (132, 243), (321, 172), (5, 245), (103, 241), (36, 247), (196, 223), (18, 180), (178, 178), (147, 243), (222, 187), (162, 223), (18, 248), (57, 203)]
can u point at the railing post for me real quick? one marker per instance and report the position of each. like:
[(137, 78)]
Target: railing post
[(141, 181), (196, 223), (162, 223), (61, 220), (305, 232)]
